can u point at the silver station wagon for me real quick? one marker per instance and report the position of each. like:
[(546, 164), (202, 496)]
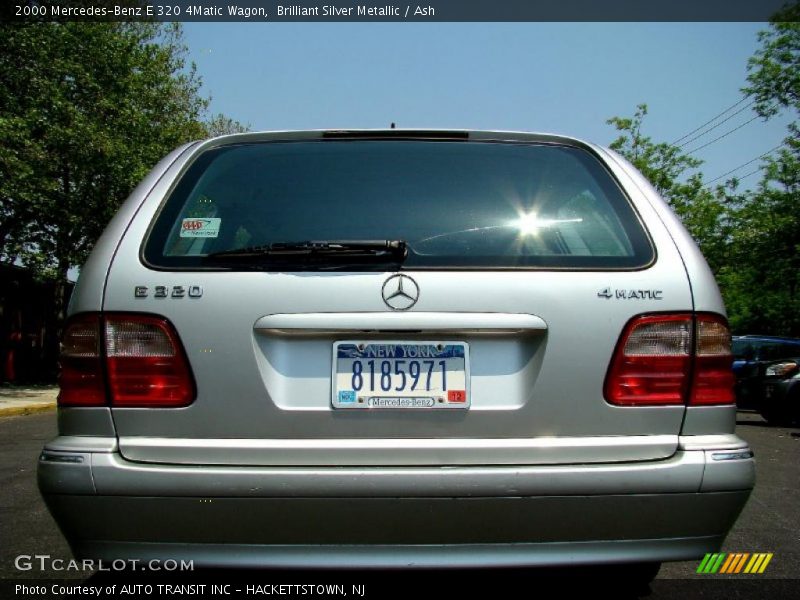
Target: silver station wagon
[(390, 348)]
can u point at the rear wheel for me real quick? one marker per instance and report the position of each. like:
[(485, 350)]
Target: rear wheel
[(780, 414), (643, 573), (776, 419), (628, 576)]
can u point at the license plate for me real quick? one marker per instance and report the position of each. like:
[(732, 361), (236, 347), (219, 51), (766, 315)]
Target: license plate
[(400, 375)]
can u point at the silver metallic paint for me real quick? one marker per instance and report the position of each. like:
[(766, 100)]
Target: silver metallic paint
[(540, 343)]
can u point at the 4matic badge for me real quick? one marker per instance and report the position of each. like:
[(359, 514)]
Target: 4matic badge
[(625, 294)]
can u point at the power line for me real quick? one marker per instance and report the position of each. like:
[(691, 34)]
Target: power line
[(745, 164), (726, 134), (748, 175), (697, 137), (710, 121)]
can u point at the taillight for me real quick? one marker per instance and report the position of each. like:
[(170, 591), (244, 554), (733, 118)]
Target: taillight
[(651, 364), (713, 368), (146, 366), (671, 359), (81, 379), (142, 358)]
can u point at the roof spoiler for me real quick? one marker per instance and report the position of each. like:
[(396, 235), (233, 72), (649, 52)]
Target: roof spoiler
[(423, 134)]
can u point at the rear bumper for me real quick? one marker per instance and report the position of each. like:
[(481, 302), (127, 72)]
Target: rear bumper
[(424, 532), (674, 509), (416, 556)]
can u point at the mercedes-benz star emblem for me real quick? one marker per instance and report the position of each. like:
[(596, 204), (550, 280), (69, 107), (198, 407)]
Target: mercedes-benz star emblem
[(400, 292)]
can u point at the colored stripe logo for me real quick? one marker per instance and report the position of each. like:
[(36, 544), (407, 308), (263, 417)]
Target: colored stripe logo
[(735, 563)]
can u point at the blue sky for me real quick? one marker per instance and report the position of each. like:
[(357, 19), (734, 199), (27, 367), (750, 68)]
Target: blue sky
[(555, 77)]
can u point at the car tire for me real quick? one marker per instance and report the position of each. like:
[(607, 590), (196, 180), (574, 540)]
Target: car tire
[(630, 580), (644, 573), (777, 416), (619, 580)]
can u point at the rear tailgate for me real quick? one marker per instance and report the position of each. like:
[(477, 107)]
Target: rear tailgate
[(261, 348)]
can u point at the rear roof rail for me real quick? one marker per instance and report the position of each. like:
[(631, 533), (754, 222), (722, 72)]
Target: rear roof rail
[(426, 134)]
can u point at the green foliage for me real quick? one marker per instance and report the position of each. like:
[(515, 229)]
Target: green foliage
[(219, 124), (662, 164), (763, 291), (86, 110), (752, 239), (670, 171), (774, 70), (762, 283)]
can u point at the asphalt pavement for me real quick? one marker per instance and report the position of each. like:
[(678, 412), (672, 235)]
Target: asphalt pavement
[(769, 523)]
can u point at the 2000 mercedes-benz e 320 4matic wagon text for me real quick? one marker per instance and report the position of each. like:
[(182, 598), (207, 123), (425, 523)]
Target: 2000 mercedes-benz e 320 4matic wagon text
[(381, 348)]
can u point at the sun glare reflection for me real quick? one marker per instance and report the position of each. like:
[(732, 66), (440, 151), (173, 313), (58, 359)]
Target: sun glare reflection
[(531, 224)]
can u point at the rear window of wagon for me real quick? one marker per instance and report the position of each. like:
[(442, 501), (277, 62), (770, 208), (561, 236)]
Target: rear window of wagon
[(456, 204)]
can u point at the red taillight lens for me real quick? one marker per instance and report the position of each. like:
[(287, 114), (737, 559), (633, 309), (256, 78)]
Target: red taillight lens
[(81, 379), (145, 365), (657, 355), (145, 362), (713, 375), (651, 364)]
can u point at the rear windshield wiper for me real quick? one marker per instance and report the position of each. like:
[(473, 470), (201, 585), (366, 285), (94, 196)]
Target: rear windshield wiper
[(317, 252)]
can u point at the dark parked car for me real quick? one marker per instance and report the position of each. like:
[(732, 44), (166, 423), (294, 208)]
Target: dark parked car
[(752, 354), (780, 404)]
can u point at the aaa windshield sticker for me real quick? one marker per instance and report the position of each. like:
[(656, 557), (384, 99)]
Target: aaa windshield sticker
[(200, 228)]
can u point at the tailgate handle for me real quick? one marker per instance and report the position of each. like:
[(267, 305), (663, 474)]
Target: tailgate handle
[(449, 322)]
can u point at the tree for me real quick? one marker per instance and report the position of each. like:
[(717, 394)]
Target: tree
[(88, 108), (763, 288), (662, 164), (760, 281), (751, 239), (774, 70), (673, 173), (219, 124)]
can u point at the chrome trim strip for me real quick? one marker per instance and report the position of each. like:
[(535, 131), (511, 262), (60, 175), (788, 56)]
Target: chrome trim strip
[(728, 441), (289, 324), (113, 475), (82, 443), (399, 451)]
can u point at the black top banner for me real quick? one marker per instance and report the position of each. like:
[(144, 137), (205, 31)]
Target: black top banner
[(430, 11)]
